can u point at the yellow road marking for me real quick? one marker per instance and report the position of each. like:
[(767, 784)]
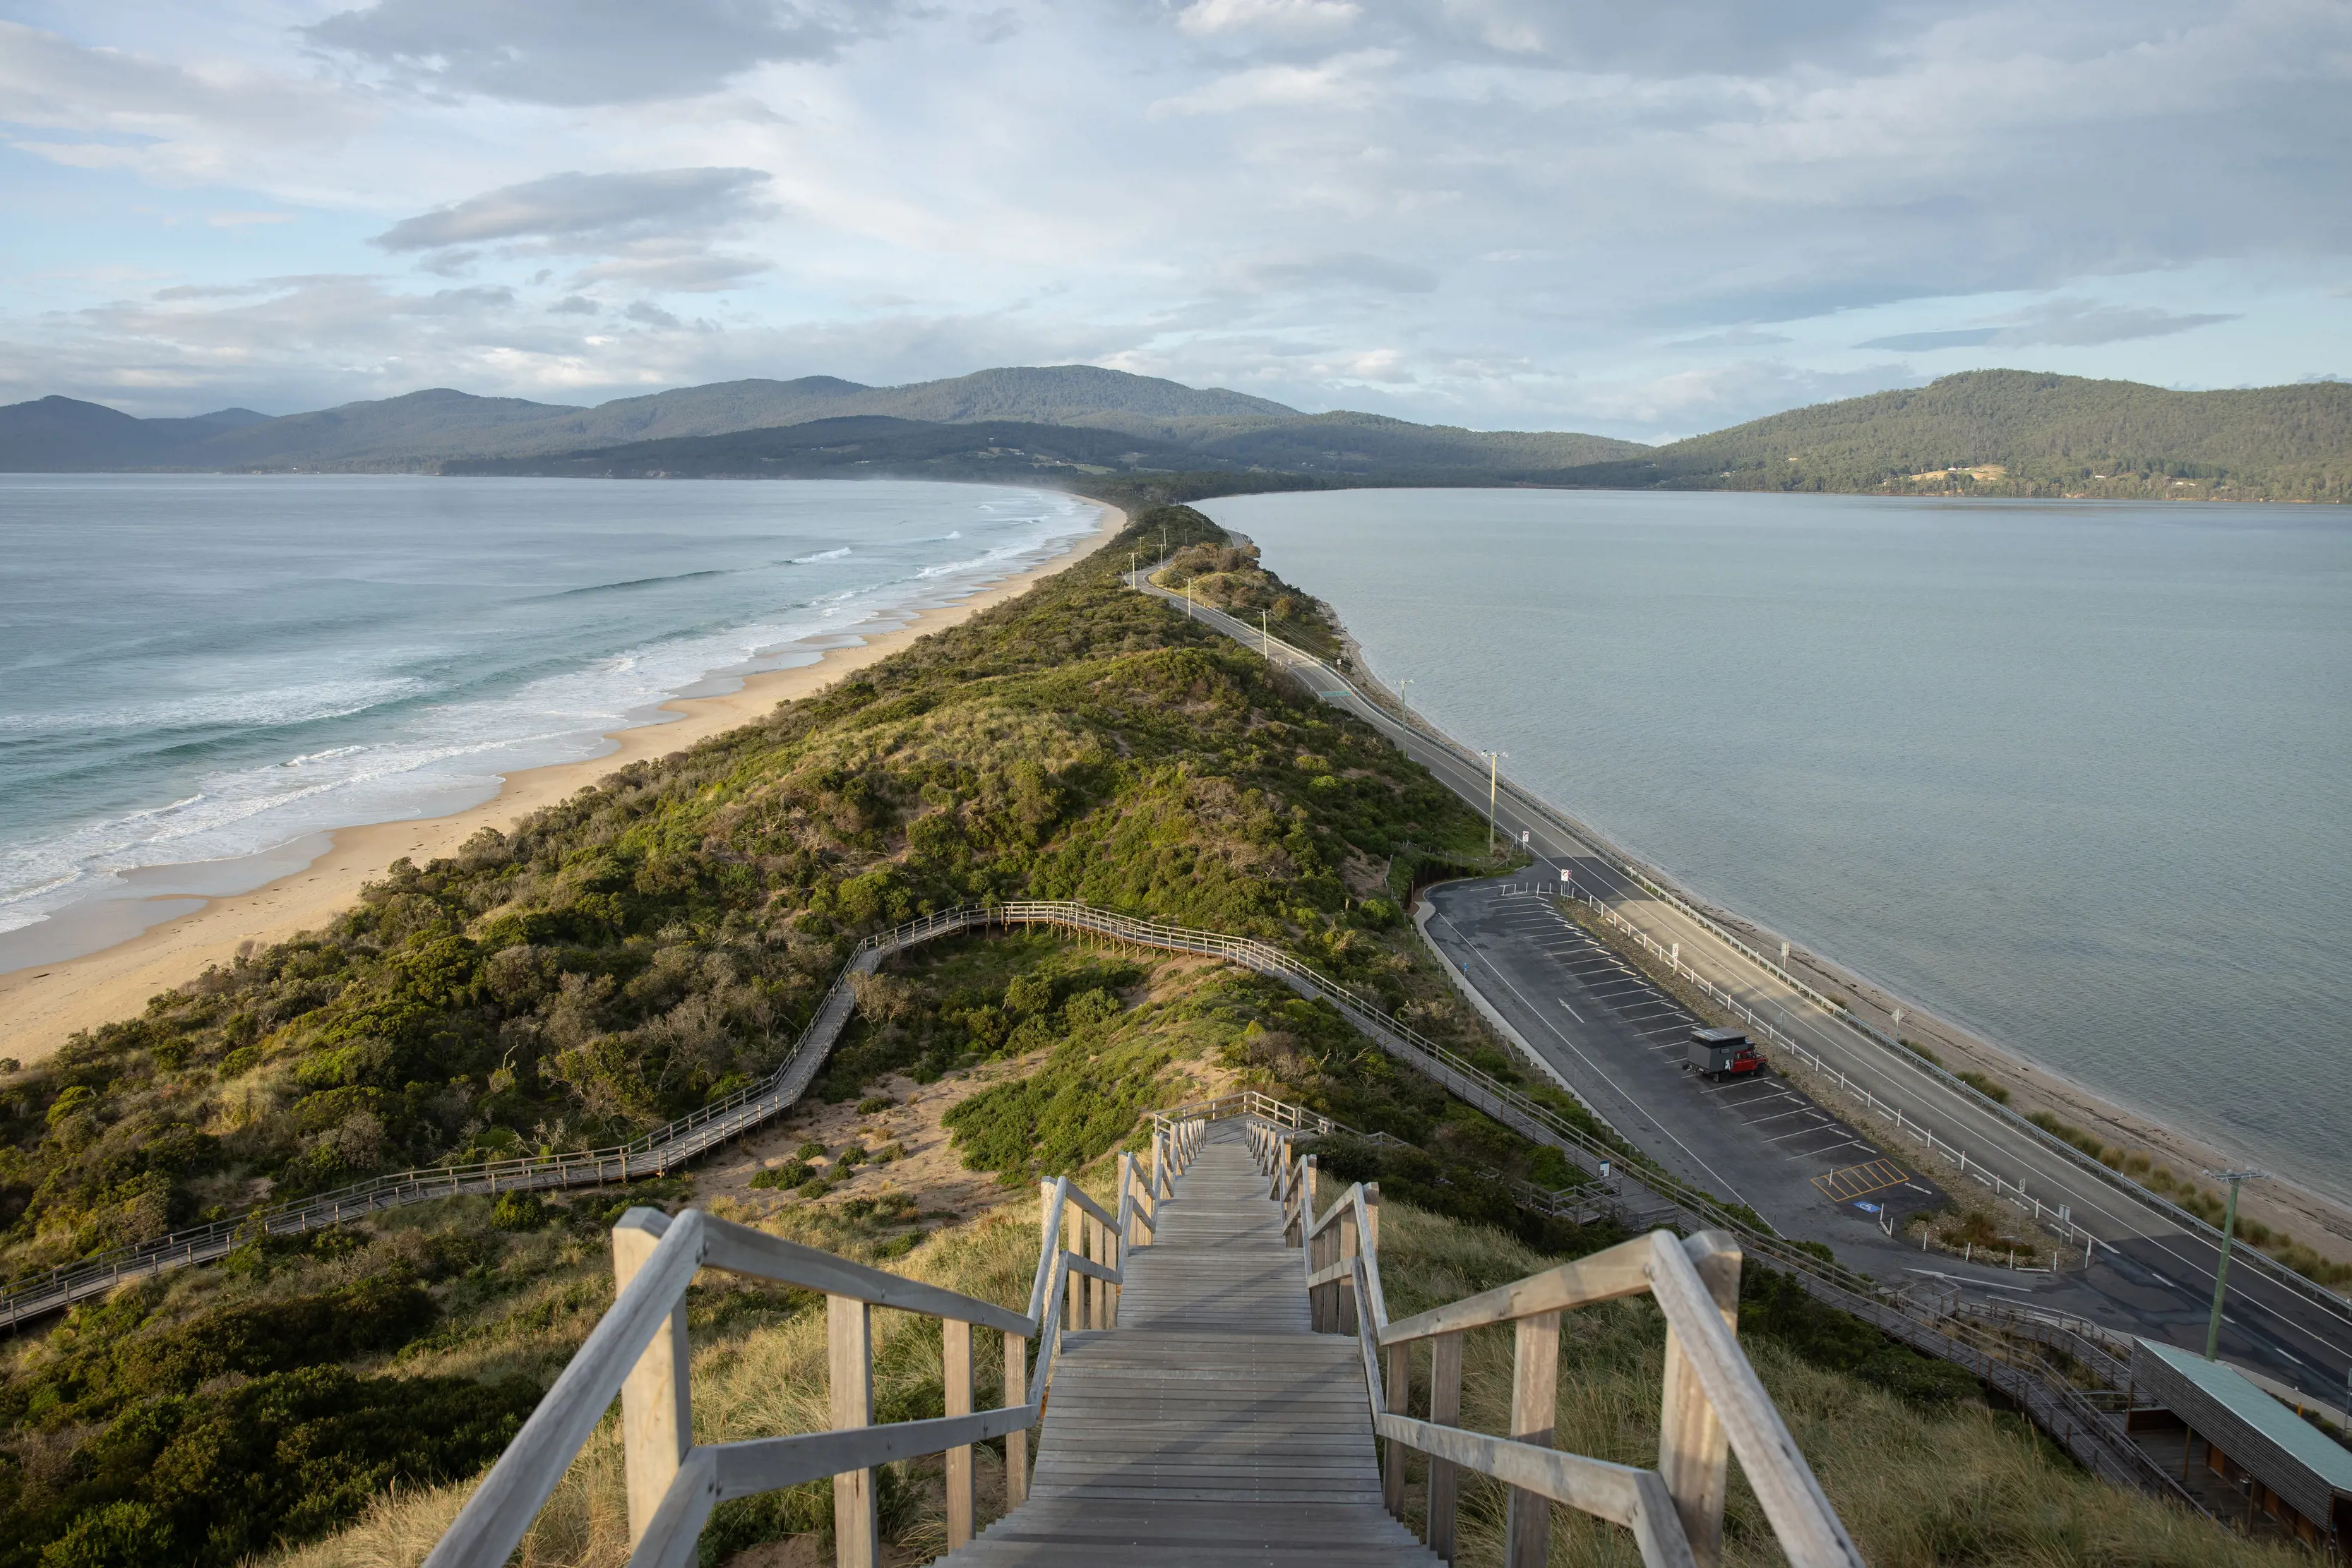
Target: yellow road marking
[(1857, 1181)]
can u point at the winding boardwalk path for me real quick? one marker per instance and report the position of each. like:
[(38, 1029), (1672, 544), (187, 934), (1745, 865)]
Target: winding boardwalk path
[(1213, 1427)]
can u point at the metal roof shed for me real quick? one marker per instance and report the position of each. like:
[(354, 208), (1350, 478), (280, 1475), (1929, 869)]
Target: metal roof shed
[(2298, 1465)]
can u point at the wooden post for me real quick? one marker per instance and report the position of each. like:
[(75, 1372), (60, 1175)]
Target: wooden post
[(1397, 1384), (1535, 1394), (1097, 1308), (849, 1346), (657, 1416), (1694, 1454), (1073, 1240), (955, 1366), (1343, 1290), (1445, 1410), (1016, 1444), (1314, 1250)]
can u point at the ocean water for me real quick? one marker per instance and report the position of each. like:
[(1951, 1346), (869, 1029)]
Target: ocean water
[(197, 670), (2076, 774)]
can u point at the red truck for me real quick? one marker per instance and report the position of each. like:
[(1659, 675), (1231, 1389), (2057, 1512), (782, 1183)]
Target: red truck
[(1722, 1054)]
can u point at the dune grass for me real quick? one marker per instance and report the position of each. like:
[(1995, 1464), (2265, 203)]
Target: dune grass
[(1920, 1481)]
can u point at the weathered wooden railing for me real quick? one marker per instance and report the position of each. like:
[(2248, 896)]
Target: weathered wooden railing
[(1713, 1404), (639, 1351)]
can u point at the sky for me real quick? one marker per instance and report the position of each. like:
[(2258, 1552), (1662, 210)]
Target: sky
[(1642, 221)]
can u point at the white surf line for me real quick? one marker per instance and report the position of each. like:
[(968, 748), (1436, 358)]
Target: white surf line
[(1596, 1067)]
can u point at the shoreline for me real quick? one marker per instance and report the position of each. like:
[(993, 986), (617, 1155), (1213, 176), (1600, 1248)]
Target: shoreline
[(41, 1005), (2317, 1220)]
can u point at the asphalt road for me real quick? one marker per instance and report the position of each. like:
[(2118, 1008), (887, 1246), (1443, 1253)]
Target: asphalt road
[(2148, 1276), (1621, 1044)]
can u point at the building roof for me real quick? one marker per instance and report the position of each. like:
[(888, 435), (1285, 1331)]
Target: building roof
[(2325, 1458)]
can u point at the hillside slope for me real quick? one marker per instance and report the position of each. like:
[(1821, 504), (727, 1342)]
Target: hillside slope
[(63, 434), (861, 447), (2019, 433), (1346, 443), (419, 430)]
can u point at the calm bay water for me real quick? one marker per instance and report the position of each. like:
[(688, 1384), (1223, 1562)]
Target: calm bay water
[(195, 669), (2076, 774)]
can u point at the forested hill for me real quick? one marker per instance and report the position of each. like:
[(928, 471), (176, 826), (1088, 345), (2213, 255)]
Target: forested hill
[(2019, 433), (1983, 433)]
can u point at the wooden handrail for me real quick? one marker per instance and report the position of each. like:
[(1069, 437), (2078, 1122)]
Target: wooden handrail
[(1713, 1403), (638, 1350)]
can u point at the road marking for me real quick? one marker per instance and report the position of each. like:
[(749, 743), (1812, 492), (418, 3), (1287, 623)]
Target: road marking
[(1808, 1132), (1571, 1011), (1963, 1279), (1861, 1180), (1697, 1158)]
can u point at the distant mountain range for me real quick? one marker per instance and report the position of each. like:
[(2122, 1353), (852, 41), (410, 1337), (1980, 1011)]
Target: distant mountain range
[(2014, 433)]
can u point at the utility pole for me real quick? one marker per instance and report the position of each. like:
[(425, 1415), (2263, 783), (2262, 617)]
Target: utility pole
[(1493, 778), (1188, 599), (1264, 630), (2221, 1268), (1132, 554), (1403, 707)]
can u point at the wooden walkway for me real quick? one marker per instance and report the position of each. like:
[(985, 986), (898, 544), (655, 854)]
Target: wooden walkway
[(1212, 1427)]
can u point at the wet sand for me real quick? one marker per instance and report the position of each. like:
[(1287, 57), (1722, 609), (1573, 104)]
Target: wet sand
[(42, 1005)]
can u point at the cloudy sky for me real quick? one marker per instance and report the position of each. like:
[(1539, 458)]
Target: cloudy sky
[(1643, 220)]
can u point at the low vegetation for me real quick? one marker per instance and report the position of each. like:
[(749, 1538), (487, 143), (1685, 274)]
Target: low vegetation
[(1873, 1417), (1923, 1472), (1229, 577)]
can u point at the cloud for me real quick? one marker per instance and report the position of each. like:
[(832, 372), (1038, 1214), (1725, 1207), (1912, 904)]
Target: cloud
[(173, 121), (1737, 338), (1522, 212), (2069, 323), (586, 210), (1277, 18), (651, 314), (1343, 81), (1343, 270), (581, 52), (245, 220), (574, 305)]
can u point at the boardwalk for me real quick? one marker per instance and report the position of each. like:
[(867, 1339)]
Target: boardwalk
[(1210, 1426)]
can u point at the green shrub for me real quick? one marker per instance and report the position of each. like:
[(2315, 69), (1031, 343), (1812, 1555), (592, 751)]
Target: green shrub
[(1983, 1085), (790, 1174), (519, 1212)]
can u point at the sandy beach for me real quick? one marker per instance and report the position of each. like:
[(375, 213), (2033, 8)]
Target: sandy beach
[(42, 1005)]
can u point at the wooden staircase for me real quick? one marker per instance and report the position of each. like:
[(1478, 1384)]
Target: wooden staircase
[(1212, 1425), (1212, 1370)]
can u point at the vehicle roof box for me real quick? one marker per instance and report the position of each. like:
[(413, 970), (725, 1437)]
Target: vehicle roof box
[(1718, 1037)]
